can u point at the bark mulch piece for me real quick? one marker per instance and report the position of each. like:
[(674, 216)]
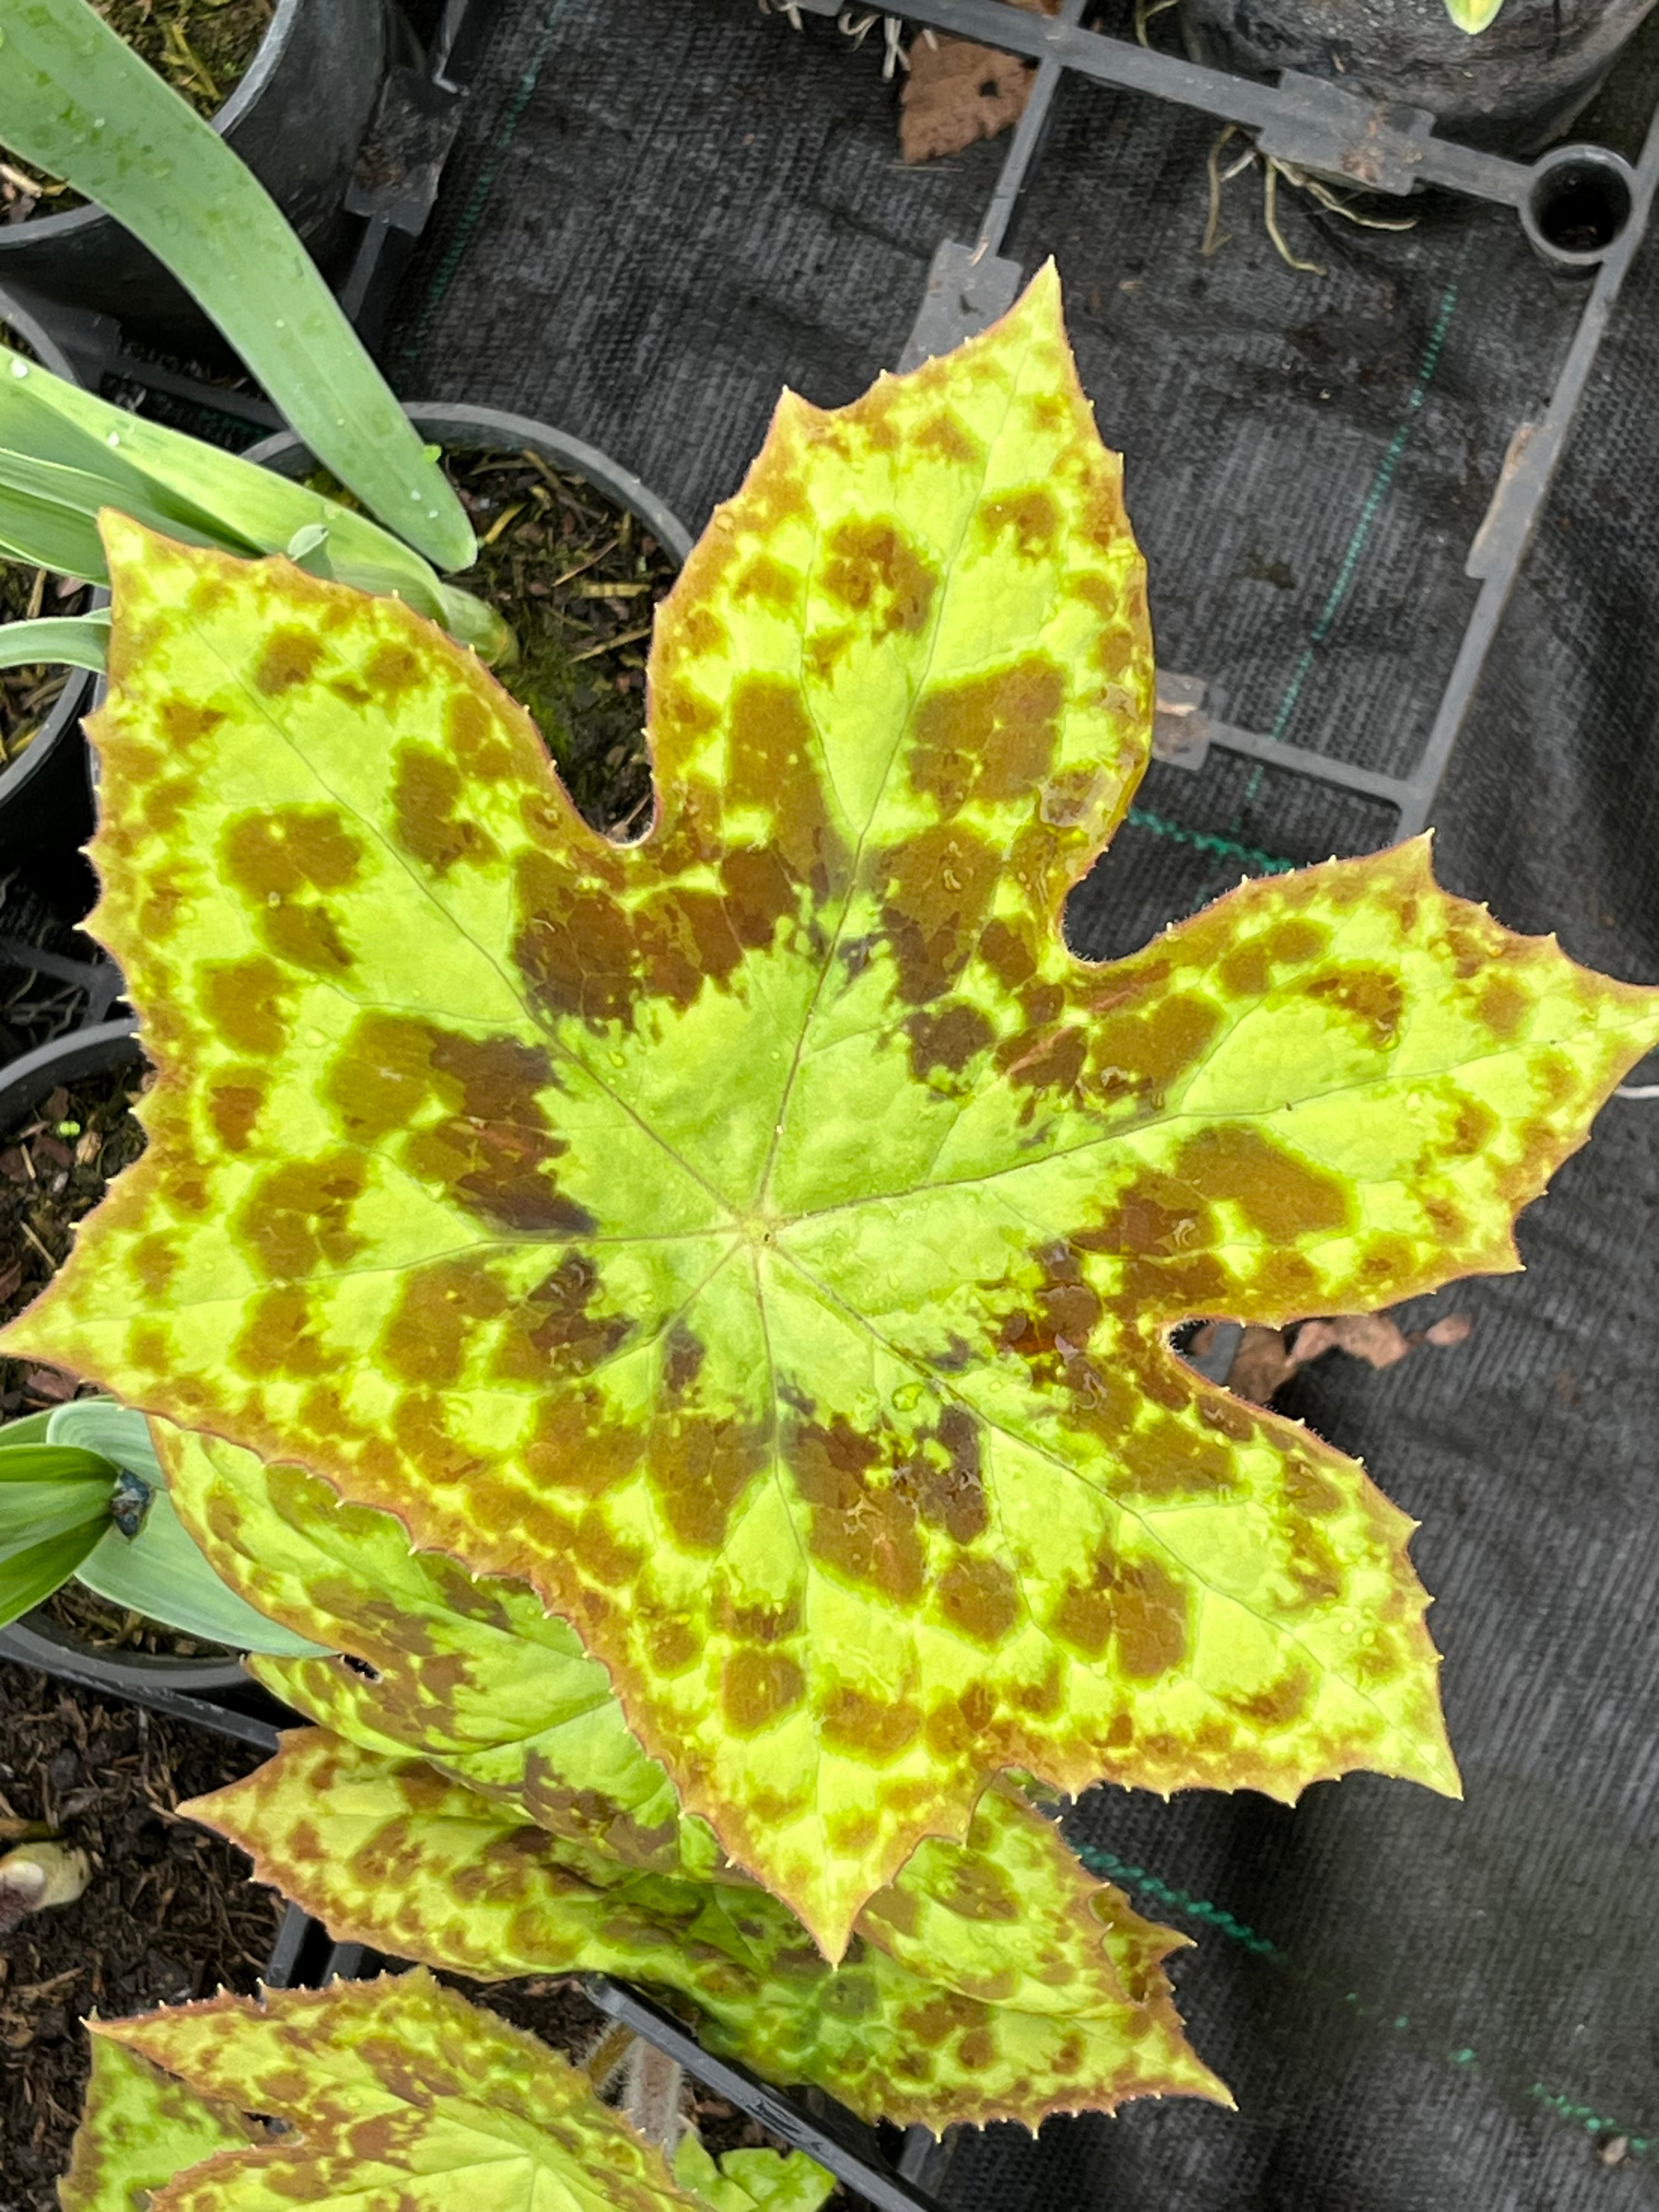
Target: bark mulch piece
[(169, 1915)]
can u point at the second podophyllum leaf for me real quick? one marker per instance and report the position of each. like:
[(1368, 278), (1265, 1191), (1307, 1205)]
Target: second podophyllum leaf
[(395, 2091), (497, 1697), (763, 1239), (994, 1980), (751, 2180), (475, 1675)]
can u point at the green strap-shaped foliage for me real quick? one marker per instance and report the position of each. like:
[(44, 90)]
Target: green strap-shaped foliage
[(78, 102), (762, 1240), (994, 1980), (65, 455), (68, 641), (389, 2092)]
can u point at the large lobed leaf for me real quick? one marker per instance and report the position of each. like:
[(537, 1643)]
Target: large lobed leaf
[(994, 1980), (761, 1240), (396, 2091), (1066, 2003)]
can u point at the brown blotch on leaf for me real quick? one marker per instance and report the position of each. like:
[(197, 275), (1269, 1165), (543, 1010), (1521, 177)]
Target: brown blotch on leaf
[(935, 889), (758, 1688), (282, 850), (875, 571), (1280, 1196), (944, 434), (288, 658), (701, 1465), (1155, 1048), (980, 1599), (439, 1310), (771, 766), (426, 792), (278, 1335), (989, 738), (868, 1728), (864, 1524), (1132, 1604), (683, 1352), (307, 937), (976, 1889), (297, 1220), (1370, 996), (1473, 1129), (555, 1330), (1282, 1701), (1295, 941), (946, 1037), (185, 723), (1032, 516), (243, 1001), (944, 1477), (233, 1105), (393, 669)]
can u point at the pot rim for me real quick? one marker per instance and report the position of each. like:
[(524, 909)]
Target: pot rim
[(474, 429)]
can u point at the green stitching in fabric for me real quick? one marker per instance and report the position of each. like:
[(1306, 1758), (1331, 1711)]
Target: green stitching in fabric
[(1202, 841)]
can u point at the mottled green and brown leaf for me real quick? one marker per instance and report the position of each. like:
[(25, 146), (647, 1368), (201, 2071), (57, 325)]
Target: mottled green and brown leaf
[(390, 2092), (762, 1239), (138, 2129), (994, 1980)]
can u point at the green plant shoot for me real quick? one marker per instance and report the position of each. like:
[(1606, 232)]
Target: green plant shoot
[(76, 101)]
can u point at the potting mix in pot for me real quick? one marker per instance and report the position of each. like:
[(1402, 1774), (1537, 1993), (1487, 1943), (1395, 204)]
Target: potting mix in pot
[(685, 1313)]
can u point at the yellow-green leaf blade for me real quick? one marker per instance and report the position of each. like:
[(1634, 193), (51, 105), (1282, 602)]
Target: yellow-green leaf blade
[(760, 1239), (395, 2090), (472, 1886), (139, 2128)]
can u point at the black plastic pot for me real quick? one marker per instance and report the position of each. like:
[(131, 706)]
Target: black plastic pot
[(45, 795), (296, 118), (1509, 88), (105, 1046), (486, 430)]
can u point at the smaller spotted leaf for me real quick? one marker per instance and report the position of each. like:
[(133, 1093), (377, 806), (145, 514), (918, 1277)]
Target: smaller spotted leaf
[(751, 2180), (994, 1980), (763, 1239), (139, 2128), (394, 2092)]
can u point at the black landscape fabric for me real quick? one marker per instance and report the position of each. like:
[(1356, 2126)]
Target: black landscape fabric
[(663, 209)]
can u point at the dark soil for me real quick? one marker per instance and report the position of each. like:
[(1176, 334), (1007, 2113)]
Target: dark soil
[(27, 695), (54, 1168), (201, 47), (169, 1914), (107, 1627), (579, 580)]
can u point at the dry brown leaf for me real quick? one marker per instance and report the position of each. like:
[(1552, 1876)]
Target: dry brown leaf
[(1261, 1366), (956, 93), (1454, 1329), (1371, 1337)]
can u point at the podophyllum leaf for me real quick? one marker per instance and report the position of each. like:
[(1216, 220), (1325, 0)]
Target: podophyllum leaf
[(762, 1239), (139, 2128), (474, 1674), (398, 2092), (1048, 1997), (1014, 1923), (751, 2180)]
